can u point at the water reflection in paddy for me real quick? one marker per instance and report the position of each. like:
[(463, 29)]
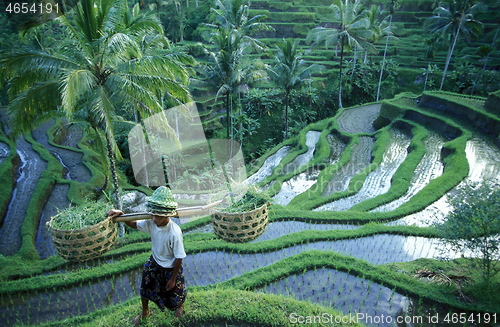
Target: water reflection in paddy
[(268, 166), (203, 269), (484, 165), (427, 169), (277, 229), (312, 138), (355, 297)]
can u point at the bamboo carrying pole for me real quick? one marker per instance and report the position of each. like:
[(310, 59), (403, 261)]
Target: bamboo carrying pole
[(179, 213)]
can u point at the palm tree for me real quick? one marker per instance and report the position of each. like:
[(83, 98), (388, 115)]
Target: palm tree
[(231, 33), (377, 29), (452, 20), (289, 71), (105, 65), (353, 32), (484, 52), (235, 14), (432, 44), (229, 68), (225, 67), (393, 6)]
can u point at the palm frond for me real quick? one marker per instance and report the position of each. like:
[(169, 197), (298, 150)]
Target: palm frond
[(121, 47), (20, 61), (33, 106)]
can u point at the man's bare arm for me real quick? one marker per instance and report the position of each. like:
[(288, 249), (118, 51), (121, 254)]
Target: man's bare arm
[(173, 279), (113, 213)]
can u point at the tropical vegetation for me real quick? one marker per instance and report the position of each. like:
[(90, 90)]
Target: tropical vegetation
[(353, 34), (111, 60), (288, 71), (473, 225), (452, 20)]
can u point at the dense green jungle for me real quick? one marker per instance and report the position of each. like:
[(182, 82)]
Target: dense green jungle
[(371, 128)]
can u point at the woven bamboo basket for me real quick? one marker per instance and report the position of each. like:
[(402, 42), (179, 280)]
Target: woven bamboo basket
[(240, 227), (85, 243)]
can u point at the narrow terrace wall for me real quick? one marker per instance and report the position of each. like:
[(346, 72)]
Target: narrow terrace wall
[(432, 123), (481, 120), (492, 104)]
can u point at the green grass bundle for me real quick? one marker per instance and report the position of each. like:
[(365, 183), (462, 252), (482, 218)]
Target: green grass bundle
[(81, 216), (250, 201)]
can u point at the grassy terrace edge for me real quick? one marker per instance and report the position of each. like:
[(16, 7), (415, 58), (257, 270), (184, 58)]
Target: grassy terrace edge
[(197, 243), (134, 254), (7, 173), (203, 308), (393, 111), (384, 275)]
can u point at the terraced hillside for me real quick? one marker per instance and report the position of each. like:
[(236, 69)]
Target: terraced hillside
[(296, 18), (354, 196), (408, 50)]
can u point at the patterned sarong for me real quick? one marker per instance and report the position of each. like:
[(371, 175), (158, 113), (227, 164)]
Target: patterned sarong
[(154, 283)]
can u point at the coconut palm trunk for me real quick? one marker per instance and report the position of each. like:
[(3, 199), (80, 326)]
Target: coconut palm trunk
[(287, 104), (340, 71), (383, 60), (228, 115), (455, 19), (289, 72), (427, 75), (448, 57), (116, 191), (480, 76), (354, 32)]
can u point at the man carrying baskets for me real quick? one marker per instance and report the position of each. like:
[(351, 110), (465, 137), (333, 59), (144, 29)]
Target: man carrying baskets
[(162, 277)]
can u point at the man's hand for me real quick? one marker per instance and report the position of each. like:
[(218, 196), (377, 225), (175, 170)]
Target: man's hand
[(171, 284), (113, 213)]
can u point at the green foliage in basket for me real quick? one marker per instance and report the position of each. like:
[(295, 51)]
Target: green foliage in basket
[(81, 216), (250, 201)]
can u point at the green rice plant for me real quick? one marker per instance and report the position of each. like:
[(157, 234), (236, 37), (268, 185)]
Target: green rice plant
[(250, 201), (81, 216)]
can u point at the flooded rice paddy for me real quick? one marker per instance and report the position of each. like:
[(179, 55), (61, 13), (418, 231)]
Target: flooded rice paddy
[(484, 165), (427, 169), (378, 181), (269, 164), (359, 160), (324, 286), (201, 269), (30, 169)]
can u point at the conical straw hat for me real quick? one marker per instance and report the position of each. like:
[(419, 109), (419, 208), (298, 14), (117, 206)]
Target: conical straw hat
[(162, 201)]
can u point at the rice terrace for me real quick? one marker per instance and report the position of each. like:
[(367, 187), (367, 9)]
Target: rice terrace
[(331, 162)]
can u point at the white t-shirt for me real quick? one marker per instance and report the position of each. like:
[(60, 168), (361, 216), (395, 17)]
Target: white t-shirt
[(166, 241)]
